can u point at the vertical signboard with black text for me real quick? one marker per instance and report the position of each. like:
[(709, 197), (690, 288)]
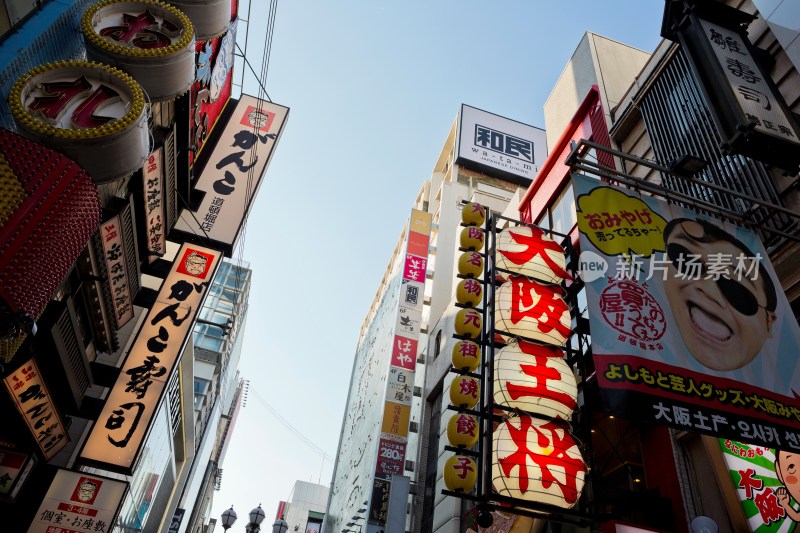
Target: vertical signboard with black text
[(117, 437)]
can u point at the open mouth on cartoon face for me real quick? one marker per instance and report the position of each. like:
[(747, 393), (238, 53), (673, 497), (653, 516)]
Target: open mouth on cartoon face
[(709, 325)]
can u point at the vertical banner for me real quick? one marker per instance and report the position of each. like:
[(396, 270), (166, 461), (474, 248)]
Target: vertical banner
[(122, 427), (400, 380), (30, 394), (154, 217), (111, 235), (690, 327)]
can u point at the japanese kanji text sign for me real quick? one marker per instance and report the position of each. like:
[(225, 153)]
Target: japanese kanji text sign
[(689, 325), (34, 402), (11, 468), (154, 213), (500, 146), (391, 456), (538, 460), (765, 482), (117, 271), (123, 425), (752, 117), (234, 170), (77, 501)]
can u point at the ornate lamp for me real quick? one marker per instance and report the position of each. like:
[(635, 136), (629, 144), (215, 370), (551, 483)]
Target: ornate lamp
[(228, 518)]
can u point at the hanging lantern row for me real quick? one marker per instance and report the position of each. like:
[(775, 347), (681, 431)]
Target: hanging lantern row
[(534, 457), (463, 429)]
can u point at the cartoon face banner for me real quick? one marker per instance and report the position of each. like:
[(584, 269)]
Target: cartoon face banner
[(767, 483), (689, 325)]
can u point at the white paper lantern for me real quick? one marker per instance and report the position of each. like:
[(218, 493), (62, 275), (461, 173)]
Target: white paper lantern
[(527, 250), (533, 310), (536, 379), (537, 461)]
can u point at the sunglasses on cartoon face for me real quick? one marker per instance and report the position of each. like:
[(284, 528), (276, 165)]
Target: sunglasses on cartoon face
[(738, 296)]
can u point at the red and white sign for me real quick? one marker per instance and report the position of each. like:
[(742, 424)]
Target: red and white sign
[(154, 217), (11, 464), (415, 268), (537, 460), (117, 436), (404, 352), (532, 310), (33, 400), (234, 170), (527, 250), (77, 502), (114, 255), (391, 458)]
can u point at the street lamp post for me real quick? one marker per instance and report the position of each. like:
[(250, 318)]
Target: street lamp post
[(228, 518), (256, 516)]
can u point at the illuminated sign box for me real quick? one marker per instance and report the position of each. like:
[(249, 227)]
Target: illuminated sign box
[(500, 146), (34, 402), (231, 177), (77, 501), (748, 109), (116, 438)]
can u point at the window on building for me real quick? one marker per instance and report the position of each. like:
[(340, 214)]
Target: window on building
[(560, 216), (437, 345)]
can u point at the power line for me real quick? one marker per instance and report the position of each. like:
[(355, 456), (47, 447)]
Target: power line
[(290, 426)]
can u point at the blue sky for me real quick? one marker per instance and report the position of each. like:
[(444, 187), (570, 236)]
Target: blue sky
[(373, 88)]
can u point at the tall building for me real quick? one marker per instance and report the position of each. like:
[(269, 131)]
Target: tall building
[(485, 158), (687, 384), (217, 388), (111, 232), (305, 510), (685, 412)]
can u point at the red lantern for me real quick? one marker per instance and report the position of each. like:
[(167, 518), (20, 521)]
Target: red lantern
[(535, 379), (537, 461), (528, 251), (532, 310)]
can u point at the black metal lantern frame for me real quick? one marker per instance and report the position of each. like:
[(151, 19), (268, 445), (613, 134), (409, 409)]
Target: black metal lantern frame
[(489, 412)]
